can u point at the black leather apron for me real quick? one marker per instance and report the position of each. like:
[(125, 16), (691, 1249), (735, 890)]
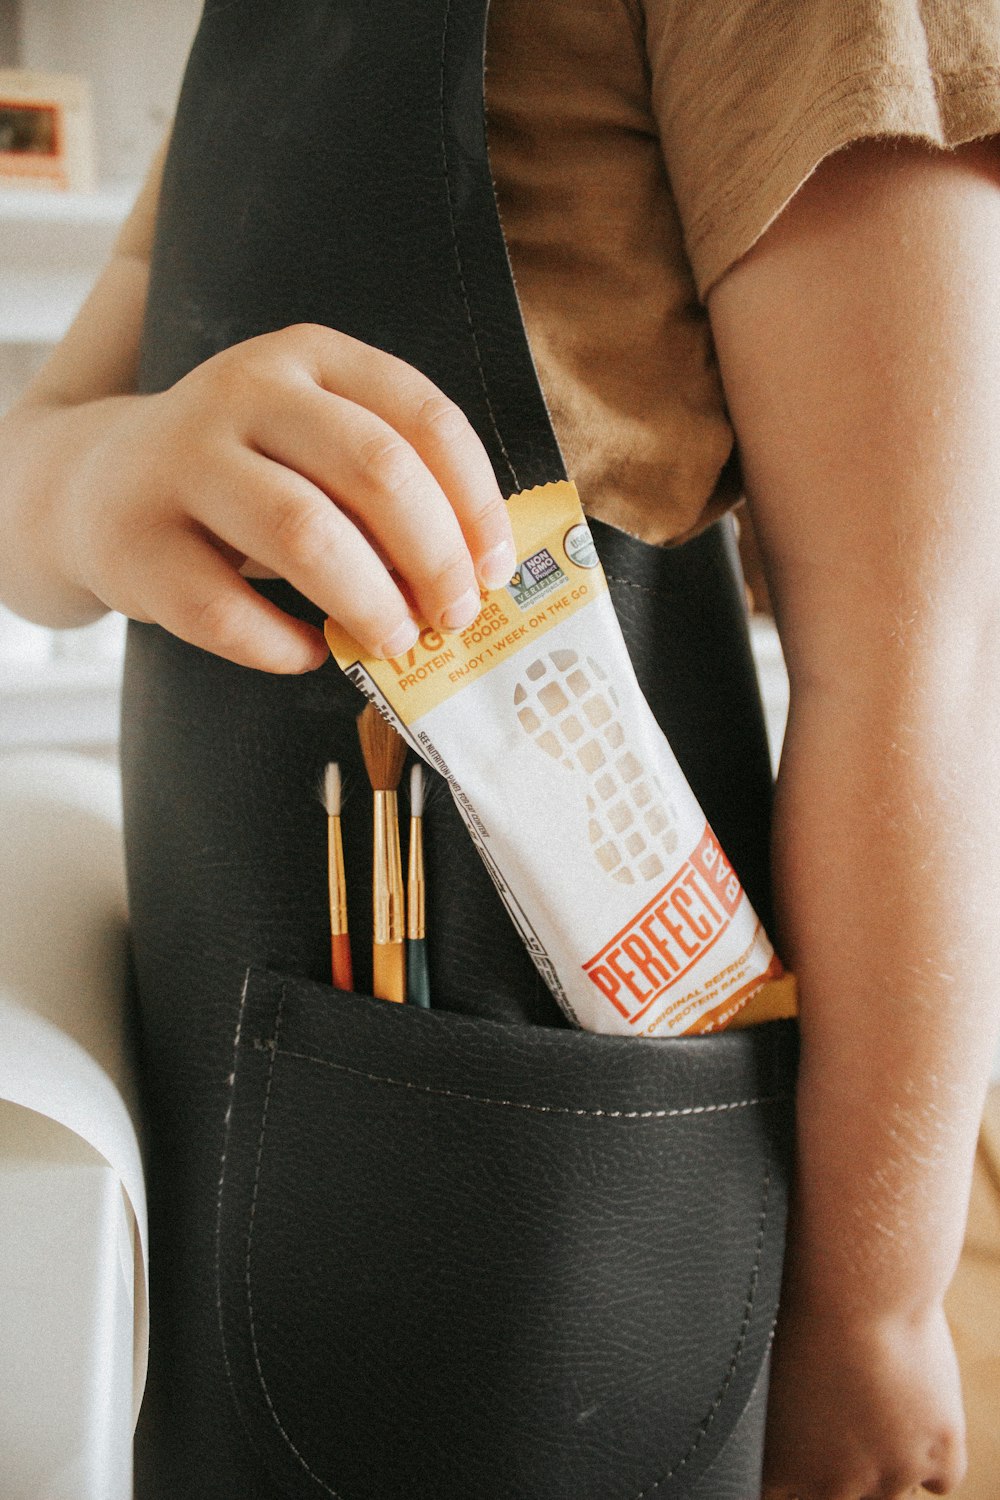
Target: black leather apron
[(471, 1252)]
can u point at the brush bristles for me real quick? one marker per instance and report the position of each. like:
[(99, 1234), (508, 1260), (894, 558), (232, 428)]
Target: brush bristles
[(331, 789), (416, 790), (384, 750)]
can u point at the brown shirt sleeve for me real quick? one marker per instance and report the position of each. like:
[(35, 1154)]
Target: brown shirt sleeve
[(750, 95)]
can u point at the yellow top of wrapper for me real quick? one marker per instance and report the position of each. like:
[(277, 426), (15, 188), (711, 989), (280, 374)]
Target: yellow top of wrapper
[(558, 573), (777, 1000)]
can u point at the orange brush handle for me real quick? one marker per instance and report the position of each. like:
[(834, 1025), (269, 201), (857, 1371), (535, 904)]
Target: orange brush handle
[(343, 973), (389, 971)]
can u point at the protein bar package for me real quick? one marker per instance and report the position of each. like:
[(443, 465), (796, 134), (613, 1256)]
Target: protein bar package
[(577, 805)]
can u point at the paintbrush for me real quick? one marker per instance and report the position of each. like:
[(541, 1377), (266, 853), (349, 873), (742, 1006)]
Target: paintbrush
[(418, 990), (384, 752), (340, 942)]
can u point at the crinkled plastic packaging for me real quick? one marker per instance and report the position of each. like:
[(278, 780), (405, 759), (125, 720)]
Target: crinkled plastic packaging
[(593, 837)]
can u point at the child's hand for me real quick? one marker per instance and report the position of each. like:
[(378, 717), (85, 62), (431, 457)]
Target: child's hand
[(326, 460), (862, 1409)]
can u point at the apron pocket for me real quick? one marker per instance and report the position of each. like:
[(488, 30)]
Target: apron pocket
[(459, 1256)]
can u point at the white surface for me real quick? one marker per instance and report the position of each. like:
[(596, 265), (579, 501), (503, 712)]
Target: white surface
[(23, 646), (67, 217), (60, 687), (52, 248), (66, 1316), (63, 995), (773, 680)]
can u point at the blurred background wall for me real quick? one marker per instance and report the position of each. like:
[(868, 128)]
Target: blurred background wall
[(61, 688)]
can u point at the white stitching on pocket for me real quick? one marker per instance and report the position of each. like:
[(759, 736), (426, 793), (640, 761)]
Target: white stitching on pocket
[(253, 1211), (543, 1109), (740, 1341), (218, 1205)]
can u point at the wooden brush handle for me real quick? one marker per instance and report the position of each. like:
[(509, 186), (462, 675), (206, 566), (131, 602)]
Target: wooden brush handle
[(418, 988), (389, 971), (343, 970)]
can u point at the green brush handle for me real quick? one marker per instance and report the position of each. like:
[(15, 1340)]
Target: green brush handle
[(418, 986)]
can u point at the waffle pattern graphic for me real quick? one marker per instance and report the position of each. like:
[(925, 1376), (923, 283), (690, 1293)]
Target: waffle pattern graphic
[(570, 710)]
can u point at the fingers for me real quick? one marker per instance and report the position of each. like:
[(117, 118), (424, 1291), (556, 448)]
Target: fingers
[(434, 427), (276, 516), (216, 610), (368, 469), (347, 472)]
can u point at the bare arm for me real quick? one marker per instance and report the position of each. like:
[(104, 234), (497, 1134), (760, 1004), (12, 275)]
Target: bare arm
[(99, 355), (859, 343), (70, 401)]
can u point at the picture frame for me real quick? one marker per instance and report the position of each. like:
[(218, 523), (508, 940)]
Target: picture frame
[(46, 131)]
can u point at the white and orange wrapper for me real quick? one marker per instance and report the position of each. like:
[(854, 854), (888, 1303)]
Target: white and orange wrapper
[(595, 841)]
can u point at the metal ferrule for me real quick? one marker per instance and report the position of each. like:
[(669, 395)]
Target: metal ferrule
[(415, 881), (387, 872), (337, 879)]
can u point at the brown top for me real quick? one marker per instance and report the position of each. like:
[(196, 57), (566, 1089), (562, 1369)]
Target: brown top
[(638, 148)]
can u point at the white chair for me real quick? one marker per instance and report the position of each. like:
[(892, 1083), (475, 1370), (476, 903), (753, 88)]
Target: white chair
[(73, 1310)]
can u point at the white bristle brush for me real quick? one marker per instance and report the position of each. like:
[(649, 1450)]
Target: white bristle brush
[(340, 943)]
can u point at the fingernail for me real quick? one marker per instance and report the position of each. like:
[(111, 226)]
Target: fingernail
[(401, 640), (315, 660), (462, 612), (497, 566)]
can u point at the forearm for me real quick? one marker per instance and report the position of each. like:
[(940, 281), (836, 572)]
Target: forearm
[(887, 864), (41, 449), (863, 372), (66, 411)]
